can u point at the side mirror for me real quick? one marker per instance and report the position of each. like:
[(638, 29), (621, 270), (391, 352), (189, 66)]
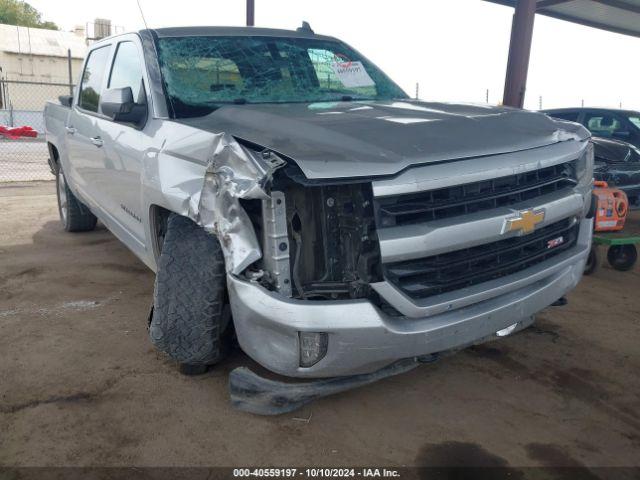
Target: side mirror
[(119, 106), (66, 100)]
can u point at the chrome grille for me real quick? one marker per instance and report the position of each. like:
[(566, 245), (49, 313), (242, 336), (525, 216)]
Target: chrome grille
[(437, 274), (473, 197)]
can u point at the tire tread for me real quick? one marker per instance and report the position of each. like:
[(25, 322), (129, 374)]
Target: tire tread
[(79, 217), (189, 295)]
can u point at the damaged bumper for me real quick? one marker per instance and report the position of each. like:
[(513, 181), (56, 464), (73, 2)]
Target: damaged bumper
[(362, 338)]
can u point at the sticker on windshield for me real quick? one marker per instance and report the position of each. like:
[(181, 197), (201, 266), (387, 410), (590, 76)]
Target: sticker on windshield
[(352, 74)]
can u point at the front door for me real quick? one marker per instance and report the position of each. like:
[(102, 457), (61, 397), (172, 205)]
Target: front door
[(124, 146)]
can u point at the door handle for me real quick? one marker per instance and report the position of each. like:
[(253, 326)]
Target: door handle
[(70, 130), (97, 141)]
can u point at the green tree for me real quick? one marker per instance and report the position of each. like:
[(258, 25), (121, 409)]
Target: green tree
[(19, 12)]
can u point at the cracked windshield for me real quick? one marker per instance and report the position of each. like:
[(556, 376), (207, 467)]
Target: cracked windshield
[(201, 73)]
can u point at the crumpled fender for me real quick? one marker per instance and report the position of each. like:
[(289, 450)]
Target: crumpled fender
[(234, 172), (203, 176)]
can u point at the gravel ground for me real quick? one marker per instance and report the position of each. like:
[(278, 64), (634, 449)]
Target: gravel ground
[(81, 384)]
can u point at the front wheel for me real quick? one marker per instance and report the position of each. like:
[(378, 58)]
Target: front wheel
[(191, 319), (74, 215)]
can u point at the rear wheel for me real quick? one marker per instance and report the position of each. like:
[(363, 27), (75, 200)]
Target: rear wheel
[(191, 317), (622, 257), (74, 215)]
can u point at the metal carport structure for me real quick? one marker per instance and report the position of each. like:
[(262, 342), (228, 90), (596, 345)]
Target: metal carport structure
[(618, 16)]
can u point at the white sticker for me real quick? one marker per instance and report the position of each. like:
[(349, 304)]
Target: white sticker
[(352, 74)]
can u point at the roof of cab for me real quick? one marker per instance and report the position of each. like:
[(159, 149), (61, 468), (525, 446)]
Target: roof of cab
[(236, 31)]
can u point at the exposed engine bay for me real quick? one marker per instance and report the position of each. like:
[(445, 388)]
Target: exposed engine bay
[(318, 240)]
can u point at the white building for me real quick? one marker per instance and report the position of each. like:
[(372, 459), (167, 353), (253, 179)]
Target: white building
[(39, 55)]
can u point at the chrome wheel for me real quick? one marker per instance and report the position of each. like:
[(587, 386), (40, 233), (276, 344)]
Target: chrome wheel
[(63, 201), (74, 215)]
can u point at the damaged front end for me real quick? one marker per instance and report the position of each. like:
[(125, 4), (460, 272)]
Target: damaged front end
[(234, 173), (318, 239), (303, 240)]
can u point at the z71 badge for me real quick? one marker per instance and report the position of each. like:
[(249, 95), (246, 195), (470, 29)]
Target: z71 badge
[(555, 242)]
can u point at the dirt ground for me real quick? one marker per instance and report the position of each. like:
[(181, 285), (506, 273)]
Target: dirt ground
[(81, 385)]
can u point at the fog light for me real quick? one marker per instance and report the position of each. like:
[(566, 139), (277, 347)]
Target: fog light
[(313, 347)]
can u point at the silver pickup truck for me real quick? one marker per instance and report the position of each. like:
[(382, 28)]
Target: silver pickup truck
[(287, 192)]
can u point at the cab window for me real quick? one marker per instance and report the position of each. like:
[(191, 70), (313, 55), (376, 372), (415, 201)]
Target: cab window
[(127, 71), (635, 119), (603, 125), (92, 78)]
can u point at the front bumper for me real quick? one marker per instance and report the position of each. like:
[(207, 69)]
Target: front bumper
[(363, 339)]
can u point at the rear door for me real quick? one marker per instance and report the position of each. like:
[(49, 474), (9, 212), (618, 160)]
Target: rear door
[(124, 145), (84, 151)]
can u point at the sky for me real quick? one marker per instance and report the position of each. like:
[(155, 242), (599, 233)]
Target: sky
[(454, 49)]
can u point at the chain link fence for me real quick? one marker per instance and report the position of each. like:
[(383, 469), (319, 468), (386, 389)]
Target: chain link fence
[(22, 104)]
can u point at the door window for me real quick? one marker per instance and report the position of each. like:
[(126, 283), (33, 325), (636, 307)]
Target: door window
[(92, 78), (127, 71), (635, 120), (603, 125)]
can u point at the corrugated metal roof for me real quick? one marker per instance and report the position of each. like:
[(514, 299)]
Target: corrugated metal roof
[(38, 41), (619, 16)]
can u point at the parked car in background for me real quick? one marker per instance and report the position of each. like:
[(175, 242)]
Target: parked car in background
[(618, 164), (603, 122)]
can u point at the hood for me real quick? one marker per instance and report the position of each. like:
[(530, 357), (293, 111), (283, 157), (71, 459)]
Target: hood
[(376, 138)]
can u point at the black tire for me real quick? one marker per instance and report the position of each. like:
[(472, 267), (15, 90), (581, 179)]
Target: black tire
[(592, 261), (622, 257), (190, 320), (74, 215)]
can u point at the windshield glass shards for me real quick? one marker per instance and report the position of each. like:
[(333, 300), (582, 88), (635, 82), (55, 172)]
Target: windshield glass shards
[(203, 72)]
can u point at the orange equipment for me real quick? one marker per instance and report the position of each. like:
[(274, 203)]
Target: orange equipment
[(613, 206)]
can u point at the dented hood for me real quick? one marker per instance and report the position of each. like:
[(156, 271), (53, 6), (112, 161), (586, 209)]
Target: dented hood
[(371, 138)]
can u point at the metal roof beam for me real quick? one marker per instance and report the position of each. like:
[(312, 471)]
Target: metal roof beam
[(550, 3), (251, 13), (519, 51)]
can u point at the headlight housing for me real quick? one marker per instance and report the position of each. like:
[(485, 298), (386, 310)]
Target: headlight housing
[(584, 166), (584, 177)]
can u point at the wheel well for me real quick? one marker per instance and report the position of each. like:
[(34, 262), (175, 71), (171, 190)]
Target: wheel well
[(54, 157), (158, 217)]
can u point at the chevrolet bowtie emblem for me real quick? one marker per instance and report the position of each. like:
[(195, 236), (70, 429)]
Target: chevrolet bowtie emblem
[(524, 221)]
